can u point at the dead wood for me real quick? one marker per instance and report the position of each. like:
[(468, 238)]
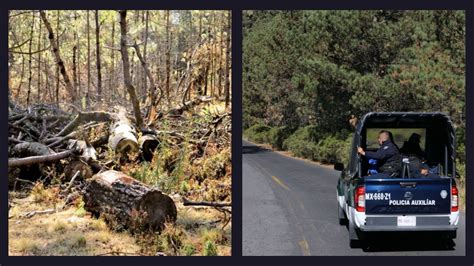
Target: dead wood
[(128, 203), (178, 111), (88, 152), (25, 149), (122, 139), (187, 202), (148, 144), (33, 213), (83, 117), (16, 162), (85, 171)]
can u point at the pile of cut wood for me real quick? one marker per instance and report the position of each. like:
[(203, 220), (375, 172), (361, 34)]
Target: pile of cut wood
[(84, 152), (83, 148)]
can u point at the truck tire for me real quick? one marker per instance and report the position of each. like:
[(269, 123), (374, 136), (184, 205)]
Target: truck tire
[(354, 241), (356, 238), (341, 215)]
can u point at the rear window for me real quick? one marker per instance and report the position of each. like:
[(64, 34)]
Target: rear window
[(400, 135)]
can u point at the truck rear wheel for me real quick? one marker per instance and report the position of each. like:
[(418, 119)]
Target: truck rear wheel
[(341, 215), (356, 239)]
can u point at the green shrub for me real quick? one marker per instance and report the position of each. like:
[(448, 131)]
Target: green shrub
[(278, 135), (258, 133), (332, 150), (303, 142)]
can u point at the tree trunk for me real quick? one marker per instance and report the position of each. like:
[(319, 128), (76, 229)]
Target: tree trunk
[(145, 85), (227, 73), (221, 55), (74, 69), (127, 203), (74, 55), (88, 93), (39, 64), (97, 43), (78, 66), (153, 99), (112, 88), (57, 66), (126, 69), (30, 59), (168, 54), (58, 58), (21, 76)]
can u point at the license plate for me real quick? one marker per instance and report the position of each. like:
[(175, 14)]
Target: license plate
[(406, 220)]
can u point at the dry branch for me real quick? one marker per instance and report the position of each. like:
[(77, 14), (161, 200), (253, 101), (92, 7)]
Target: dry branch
[(85, 117), (187, 202), (16, 162)]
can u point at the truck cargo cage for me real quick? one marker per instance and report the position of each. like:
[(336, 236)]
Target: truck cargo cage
[(440, 141)]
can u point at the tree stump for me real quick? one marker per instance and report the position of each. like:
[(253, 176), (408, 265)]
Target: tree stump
[(126, 203)]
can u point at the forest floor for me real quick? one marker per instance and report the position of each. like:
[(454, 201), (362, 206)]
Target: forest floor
[(192, 163), (73, 232)]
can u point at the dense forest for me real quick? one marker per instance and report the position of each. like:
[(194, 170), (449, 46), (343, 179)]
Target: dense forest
[(119, 132), (309, 75)]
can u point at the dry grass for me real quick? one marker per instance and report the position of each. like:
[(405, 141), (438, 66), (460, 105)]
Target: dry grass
[(198, 231), (62, 233)]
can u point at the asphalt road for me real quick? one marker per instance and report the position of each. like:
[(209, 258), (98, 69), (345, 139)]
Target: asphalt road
[(290, 208)]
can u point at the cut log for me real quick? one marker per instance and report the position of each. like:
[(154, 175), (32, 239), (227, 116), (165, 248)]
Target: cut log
[(122, 137), (128, 203), (148, 144), (26, 149)]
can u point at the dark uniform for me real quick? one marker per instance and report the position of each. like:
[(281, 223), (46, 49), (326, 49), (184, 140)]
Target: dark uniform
[(388, 158)]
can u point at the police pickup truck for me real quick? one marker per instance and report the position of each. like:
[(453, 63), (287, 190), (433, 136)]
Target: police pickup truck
[(407, 201)]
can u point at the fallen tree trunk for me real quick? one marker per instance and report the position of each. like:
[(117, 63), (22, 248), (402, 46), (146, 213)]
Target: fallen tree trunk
[(148, 144), (128, 203), (122, 137), (16, 162)]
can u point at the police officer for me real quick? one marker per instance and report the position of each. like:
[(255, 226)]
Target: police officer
[(387, 155)]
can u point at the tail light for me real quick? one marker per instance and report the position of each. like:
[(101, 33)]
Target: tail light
[(454, 199), (360, 199)]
